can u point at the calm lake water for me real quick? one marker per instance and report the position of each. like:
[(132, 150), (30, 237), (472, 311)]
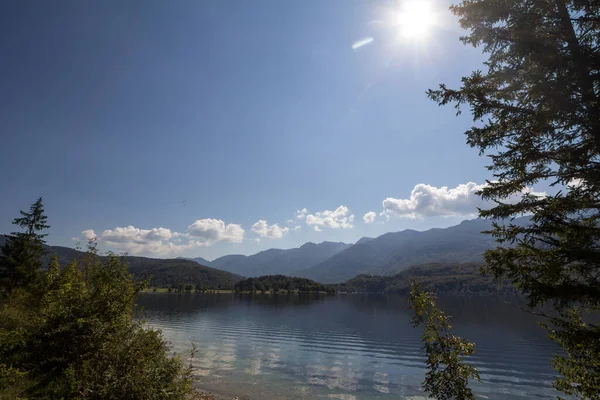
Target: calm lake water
[(344, 346)]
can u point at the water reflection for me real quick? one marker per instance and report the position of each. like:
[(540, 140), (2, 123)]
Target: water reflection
[(348, 346)]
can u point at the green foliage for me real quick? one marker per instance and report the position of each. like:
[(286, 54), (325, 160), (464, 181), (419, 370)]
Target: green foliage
[(447, 375), (537, 116), (20, 256), (580, 363), (75, 337), (438, 278), (275, 283), (71, 333)]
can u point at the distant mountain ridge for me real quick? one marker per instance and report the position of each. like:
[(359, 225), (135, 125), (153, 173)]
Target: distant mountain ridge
[(278, 261), (391, 253), (387, 254), (199, 260)]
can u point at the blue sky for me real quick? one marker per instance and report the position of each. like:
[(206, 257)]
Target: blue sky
[(204, 118)]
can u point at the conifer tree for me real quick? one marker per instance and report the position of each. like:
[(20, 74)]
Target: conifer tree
[(536, 112), (21, 255)]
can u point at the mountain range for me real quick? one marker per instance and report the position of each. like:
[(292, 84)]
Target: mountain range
[(277, 261), (387, 254), (326, 262), (391, 253)]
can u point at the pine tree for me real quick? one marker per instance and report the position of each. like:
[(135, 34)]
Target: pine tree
[(536, 112), (21, 255)]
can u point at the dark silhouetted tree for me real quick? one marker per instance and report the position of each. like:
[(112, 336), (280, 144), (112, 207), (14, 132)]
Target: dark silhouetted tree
[(536, 113), (21, 255)]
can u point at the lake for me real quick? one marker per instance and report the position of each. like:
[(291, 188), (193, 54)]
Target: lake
[(344, 346)]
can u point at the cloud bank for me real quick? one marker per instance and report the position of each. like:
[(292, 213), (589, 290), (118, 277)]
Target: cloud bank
[(424, 201), (430, 201), (163, 241)]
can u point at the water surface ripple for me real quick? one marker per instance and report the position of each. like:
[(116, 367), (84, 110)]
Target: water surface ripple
[(344, 346)]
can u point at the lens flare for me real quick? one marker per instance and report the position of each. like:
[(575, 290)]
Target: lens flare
[(362, 42)]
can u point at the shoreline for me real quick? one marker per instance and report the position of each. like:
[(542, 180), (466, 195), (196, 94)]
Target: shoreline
[(210, 394), (230, 291)]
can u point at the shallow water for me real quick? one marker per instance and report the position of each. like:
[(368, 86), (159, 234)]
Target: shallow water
[(344, 346)]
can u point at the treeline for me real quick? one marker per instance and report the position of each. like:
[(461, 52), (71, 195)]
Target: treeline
[(439, 278), (189, 288), (277, 283)]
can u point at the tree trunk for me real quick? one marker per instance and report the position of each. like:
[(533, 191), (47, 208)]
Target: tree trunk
[(586, 83)]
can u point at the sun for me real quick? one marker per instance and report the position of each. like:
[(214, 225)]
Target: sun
[(415, 19)]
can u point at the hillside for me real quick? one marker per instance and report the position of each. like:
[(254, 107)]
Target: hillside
[(438, 278), (162, 272), (171, 272), (393, 252), (278, 261)]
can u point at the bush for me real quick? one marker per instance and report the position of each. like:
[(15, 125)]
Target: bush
[(73, 335)]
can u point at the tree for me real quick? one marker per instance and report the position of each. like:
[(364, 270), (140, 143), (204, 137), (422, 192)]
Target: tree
[(189, 287), (536, 113), (21, 255), (447, 374)]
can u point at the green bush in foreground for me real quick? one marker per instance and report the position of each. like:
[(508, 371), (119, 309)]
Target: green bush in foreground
[(74, 336), (71, 334)]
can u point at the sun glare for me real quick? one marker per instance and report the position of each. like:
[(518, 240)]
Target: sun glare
[(415, 19)]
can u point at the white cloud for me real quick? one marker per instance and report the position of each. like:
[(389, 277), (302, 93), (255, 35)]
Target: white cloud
[(131, 234), (88, 234), (214, 230), (339, 218), (316, 227), (297, 228), (156, 241), (369, 217), (300, 214), (263, 229), (163, 241), (290, 222), (429, 201)]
